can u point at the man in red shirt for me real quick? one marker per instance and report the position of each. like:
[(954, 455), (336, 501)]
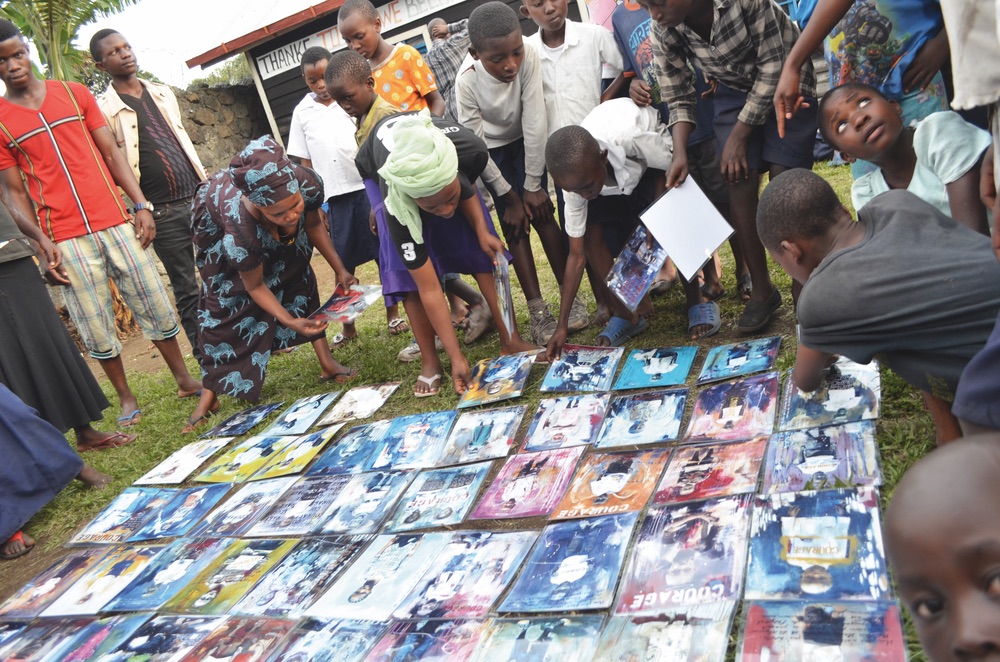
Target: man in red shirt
[(54, 134)]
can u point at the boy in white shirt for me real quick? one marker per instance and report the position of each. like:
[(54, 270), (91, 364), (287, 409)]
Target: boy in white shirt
[(321, 137)]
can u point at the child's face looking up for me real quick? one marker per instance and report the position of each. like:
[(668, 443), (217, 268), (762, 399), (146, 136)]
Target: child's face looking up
[(943, 541), (354, 97), (667, 13), (502, 57), (862, 123), (547, 14), (360, 34)]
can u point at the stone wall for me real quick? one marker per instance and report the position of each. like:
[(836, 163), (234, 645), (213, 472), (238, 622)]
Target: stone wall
[(221, 121)]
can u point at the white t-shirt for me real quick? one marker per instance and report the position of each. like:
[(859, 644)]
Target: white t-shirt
[(325, 136)]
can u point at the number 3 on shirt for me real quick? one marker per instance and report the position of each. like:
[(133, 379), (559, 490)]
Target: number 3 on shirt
[(409, 251)]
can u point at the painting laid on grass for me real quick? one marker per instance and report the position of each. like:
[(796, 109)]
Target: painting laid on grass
[(468, 576), (240, 423), (494, 380), (244, 639), (330, 640), (184, 462), (554, 638), (40, 592), (582, 369), (529, 484), (656, 367), (482, 435), (166, 638), (359, 402), (123, 516), (429, 640), (301, 509), (824, 545), (103, 581), (687, 554), (91, 642), (293, 458), (415, 441), (711, 470), (832, 457), (643, 418), (365, 502), (238, 513), (242, 461), (849, 392), (730, 411), (822, 631), (573, 566), (609, 483), (571, 420), (298, 418), (699, 633), (438, 497), (352, 452), (182, 513), (743, 358)]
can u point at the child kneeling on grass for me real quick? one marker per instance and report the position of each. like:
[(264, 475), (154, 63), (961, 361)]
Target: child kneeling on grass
[(938, 160), (906, 284), (942, 535), (438, 223)]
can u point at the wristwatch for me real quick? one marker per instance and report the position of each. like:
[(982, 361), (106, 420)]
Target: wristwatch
[(139, 206)]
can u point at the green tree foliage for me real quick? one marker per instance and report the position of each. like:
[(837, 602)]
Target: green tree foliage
[(234, 72), (53, 26)]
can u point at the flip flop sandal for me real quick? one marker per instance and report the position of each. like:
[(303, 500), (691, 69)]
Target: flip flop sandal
[(129, 420), (711, 293), (661, 287), (340, 340), (395, 324), (340, 377), (19, 536), (705, 314), (757, 315), (194, 423), (116, 440), (433, 383), (620, 329)]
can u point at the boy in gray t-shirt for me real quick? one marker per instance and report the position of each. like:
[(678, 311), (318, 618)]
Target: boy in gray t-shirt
[(905, 284)]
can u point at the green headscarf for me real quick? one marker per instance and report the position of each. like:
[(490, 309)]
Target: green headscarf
[(422, 162)]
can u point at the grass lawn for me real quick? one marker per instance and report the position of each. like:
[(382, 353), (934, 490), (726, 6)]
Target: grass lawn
[(905, 431)]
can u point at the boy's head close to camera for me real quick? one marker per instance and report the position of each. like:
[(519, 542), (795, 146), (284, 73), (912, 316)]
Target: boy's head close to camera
[(860, 122), (576, 161), (349, 82), (942, 531), (495, 40)]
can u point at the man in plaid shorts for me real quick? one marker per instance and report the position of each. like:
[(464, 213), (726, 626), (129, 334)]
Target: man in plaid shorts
[(54, 135)]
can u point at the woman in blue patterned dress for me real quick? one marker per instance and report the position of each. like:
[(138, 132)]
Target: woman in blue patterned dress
[(254, 226)]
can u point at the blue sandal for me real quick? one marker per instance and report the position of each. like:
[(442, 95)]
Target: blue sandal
[(705, 314), (620, 329)]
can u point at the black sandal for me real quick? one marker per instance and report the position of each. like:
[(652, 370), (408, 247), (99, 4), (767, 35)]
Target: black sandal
[(757, 315)]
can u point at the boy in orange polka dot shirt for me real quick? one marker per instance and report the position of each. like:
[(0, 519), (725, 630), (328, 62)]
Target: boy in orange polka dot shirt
[(402, 78)]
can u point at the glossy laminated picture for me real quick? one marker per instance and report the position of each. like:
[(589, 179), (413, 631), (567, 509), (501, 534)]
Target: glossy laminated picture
[(501, 280), (93, 641), (103, 581), (182, 512), (699, 633), (658, 366), (494, 380), (582, 369), (429, 640), (241, 462), (244, 421), (365, 502), (123, 516), (529, 484), (301, 509), (482, 435), (41, 591), (544, 638), (468, 576), (643, 418), (381, 577), (711, 470), (183, 462), (415, 441), (730, 411), (238, 513), (293, 458), (832, 457), (571, 420), (352, 452), (573, 566), (344, 306), (610, 483), (330, 640), (687, 554), (44, 639), (742, 358), (164, 638), (227, 579), (849, 392), (438, 497), (304, 574), (868, 631), (635, 269), (245, 639), (168, 573), (301, 416), (824, 545), (359, 402)]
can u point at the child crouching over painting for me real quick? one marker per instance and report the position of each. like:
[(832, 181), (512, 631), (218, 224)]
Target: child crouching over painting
[(427, 207)]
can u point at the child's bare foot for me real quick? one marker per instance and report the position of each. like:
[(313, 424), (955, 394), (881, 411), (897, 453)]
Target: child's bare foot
[(91, 477), (518, 344), (186, 384), (89, 439), (427, 385), (603, 314), (17, 545)]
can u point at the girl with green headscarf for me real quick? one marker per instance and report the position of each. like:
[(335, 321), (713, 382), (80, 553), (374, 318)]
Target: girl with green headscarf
[(432, 221)]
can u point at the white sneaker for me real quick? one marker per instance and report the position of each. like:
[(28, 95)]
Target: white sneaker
[(410, 353)]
